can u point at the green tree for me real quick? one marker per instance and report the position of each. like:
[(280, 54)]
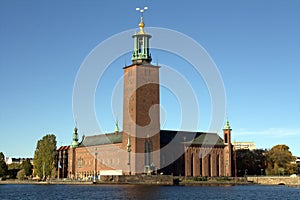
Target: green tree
[(3, 166), (251, 162), (44, 156), (27, 166), (21, 174), (281, 161), (13, 169)]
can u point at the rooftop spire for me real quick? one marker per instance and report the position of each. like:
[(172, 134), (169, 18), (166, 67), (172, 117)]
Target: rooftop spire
[(227, 125), (75, 138), (141, 24), (117, 126)]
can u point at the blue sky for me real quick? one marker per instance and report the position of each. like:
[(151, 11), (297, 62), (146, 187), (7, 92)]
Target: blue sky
[(255, 45)]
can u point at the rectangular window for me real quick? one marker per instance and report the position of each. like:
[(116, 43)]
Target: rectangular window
[(80, 162)]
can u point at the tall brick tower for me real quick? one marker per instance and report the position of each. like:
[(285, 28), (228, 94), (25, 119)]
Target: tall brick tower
[(141, 123), (227, 149)]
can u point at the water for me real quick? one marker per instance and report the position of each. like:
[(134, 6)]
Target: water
[(146, 192)]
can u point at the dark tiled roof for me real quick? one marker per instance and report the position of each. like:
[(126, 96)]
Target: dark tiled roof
[(208, 139), (108, 138), (166, 136), (197, 138)]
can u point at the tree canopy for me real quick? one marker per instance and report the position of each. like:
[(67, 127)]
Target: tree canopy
[(3, 166), (13, 169), (281, 161), (277, 161), (44, 156), (27, 166), (251, 162)]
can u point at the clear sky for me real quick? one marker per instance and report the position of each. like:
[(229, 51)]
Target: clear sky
[(255, 45)]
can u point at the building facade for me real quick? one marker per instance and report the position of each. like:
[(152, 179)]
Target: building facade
[(244, 145), (142, 147)]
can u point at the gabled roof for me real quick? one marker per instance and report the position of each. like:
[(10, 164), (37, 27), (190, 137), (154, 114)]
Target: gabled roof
[(197, 138), (108, 138), (208, 139), (166, 136)]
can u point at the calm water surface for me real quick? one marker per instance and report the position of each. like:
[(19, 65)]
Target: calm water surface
[(146, 192)]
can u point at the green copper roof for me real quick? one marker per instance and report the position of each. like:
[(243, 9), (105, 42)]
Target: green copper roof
[(227, 126), (75, 142), (108, 138), (141, 53), (117, 127), (166, 136)]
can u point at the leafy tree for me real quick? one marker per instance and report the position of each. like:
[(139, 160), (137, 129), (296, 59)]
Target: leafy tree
[(44, 156), (250, 162), (13, 169), (280, 161), (3, 166), (21, 174), (27, 166)]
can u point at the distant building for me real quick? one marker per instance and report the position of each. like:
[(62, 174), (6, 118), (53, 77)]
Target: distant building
[(298, 164), (10, 160), (244, 145), (62, 164)]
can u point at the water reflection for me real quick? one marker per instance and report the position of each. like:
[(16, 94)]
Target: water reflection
[(145, 192)]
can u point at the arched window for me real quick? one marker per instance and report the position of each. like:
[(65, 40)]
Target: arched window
[(200, 165), (148, 152), (141, 44), (209, 164), (192, 163), (218, 165)]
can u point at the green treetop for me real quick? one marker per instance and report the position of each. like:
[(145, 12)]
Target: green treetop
[(3, 166), (45, 156)]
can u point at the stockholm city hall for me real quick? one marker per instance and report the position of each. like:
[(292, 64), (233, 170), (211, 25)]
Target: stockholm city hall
[(142, 147)]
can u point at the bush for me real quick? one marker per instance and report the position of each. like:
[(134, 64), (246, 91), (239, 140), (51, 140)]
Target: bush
[(21, 174), (200, 178)]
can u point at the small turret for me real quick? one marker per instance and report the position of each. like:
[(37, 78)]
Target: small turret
[(227, 132), (227, 126), (227, 149), (117, 127), (75, 142)]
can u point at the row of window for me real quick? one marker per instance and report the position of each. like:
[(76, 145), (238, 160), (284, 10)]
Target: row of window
[(111, 162)]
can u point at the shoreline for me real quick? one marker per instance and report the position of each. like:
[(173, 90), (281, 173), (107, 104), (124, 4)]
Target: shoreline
[(189, 183)]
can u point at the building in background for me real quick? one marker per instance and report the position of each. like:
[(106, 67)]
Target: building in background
[(10, 160), (298, 165), (244, 145)]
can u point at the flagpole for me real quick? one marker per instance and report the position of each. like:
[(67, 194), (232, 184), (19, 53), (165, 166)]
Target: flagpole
[(58, 164)]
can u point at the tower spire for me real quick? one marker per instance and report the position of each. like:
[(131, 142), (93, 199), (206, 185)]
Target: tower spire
[(141, 25)]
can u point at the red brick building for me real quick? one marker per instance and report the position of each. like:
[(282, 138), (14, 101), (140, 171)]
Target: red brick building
[(142, 147)]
